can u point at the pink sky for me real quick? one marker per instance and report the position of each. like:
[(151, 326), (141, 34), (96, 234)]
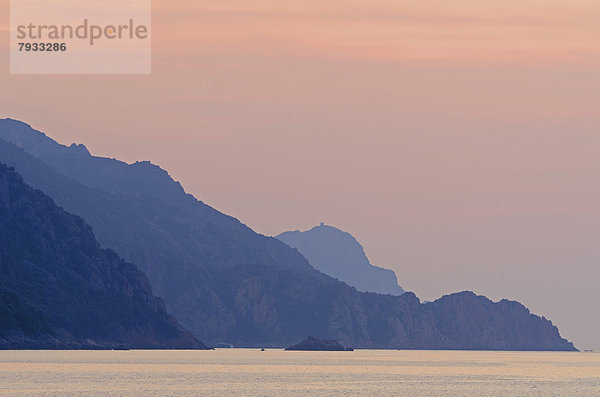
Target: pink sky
[(457, 140)]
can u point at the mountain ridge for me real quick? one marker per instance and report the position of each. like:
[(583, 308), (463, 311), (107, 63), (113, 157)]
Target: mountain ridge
[(59, 289), (225, 282), (338, 254)]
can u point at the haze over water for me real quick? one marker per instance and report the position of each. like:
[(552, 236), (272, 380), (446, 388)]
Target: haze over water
[(249, 372)]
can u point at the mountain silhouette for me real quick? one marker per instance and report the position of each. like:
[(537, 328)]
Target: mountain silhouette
[(227, 283), (338, 254), (59, 289)]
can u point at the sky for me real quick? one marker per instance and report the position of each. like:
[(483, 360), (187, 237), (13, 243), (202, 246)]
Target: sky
[(457, 141)]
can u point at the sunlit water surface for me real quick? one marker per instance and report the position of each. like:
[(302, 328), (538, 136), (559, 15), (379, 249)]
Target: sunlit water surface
[(250, 372)]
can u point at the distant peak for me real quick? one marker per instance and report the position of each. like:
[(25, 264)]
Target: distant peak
[(13, 121), (80, 148), (20, 126), (324, 226), (147, 164), (150, 168), (338, 254)]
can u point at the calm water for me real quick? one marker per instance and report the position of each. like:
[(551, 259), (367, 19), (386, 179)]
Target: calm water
[(244, 372)]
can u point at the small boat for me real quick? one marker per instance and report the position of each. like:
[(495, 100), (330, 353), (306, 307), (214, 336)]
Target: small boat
[(262, 350)]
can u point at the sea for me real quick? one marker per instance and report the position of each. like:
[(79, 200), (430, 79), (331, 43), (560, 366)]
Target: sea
[(274, 372)]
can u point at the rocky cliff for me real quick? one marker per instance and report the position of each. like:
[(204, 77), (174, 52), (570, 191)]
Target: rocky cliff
[(227, 283), (59, 289), (475, 322)]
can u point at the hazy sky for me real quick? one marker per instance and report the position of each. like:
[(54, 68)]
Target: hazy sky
[(457, 140)]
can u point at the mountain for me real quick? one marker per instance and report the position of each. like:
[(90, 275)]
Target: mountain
[(227, 283), (59, 289), (472, 320), (338, 254)]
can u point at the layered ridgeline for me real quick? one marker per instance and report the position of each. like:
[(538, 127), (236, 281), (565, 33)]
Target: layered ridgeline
[(59, 289), (227, 283), (338, 254)]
